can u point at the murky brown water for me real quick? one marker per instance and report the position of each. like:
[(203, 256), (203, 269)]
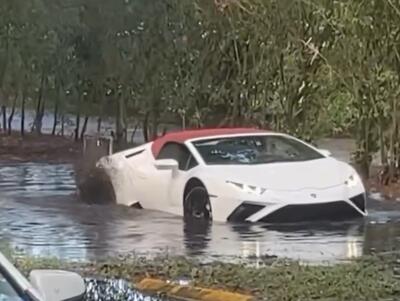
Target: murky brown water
[(41, 213)]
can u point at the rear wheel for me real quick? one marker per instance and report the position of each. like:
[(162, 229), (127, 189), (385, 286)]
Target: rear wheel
[(197, 204)]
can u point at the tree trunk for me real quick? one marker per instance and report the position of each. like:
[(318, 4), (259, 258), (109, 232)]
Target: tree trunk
[(99, 120), (78, 121), (11, 117), (78, 117), (40, 119), (125, 122), (4, 113), (62, 125), (36, 126), (382, 147), (120, 120), (84, 127), (102, 99), (53, 132), (5, 62), (35, 121), (393, 136), (134, 132), (155, 123), (146, 127), (154, 129), (184, 122), (23, 115), (235, 112)]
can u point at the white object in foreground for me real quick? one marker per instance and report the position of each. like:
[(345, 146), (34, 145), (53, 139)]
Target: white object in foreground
[(236, 175), (44, 285)]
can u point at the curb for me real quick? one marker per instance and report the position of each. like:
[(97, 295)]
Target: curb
[(150, 285)]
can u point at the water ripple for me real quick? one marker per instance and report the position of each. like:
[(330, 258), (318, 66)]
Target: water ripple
[(36, 180), (41, 214)]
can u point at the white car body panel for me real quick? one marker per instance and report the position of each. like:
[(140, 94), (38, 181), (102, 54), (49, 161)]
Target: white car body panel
[(136, 180)]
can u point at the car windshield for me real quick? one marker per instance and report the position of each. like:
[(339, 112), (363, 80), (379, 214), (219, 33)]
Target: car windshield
[(254, 150)]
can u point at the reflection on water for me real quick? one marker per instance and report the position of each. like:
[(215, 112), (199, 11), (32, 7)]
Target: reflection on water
[(107, 124), (36, 180), (40, 213)]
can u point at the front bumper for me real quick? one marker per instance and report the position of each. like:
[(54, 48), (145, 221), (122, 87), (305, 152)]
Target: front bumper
[(292, 213)]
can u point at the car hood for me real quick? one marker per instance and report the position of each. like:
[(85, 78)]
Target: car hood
[(315, 174)]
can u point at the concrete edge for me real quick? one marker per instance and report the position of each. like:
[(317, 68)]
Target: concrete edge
[(150, 285)]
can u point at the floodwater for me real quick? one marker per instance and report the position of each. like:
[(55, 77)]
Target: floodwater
[(42, 215)]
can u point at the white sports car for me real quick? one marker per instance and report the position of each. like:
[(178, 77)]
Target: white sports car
[(236, 175)]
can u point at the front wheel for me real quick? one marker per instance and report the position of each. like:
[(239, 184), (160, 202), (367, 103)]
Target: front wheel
[(197, 204)]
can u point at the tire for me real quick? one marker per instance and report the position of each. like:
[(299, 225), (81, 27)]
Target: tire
[(197, 204)]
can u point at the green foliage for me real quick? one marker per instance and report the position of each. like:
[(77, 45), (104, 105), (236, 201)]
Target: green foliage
[(370, 278), (307, 67), (339, 114)]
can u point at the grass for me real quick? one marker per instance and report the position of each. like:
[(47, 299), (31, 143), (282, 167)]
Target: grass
[(370, 278)]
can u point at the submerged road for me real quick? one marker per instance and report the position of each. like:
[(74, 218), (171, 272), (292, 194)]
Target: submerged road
[(42, 214)]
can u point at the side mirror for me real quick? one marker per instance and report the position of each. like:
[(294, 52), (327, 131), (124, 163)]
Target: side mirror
[(325, 152), (55, 285), (166, 164)]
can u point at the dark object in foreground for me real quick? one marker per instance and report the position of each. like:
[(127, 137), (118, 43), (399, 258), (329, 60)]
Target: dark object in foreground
[(40, 285), (371, 278)]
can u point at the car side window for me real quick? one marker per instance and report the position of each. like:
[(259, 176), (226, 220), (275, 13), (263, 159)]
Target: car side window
[(169, 151), (178, 152), (191, 163), (276, 145)]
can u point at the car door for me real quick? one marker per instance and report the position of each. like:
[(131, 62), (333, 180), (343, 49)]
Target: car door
[(187, 164), (160, 180), (168, 186)]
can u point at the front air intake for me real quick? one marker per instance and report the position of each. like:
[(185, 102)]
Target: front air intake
[(359, 201), (245, 210)]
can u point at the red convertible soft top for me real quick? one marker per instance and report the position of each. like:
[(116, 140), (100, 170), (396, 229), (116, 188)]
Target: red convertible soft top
[(182, 136)]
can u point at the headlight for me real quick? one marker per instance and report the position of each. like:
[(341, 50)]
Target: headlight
[(248, 188), (352, 181)]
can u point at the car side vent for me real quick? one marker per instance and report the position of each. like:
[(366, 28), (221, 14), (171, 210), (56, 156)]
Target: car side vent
[(245, 210), (134, 154), (359, 201)]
